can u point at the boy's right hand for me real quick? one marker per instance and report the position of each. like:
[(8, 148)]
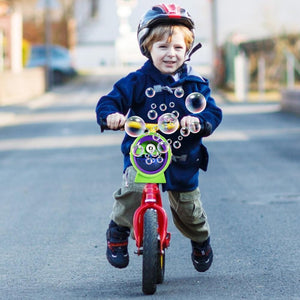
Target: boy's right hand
[(115, 121)]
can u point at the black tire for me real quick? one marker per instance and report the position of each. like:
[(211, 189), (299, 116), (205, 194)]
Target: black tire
[(150, 253)]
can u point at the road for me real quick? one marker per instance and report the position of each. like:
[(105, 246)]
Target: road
[(57, 174)]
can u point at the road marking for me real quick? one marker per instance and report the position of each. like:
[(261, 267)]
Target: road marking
[(40, 143), (102, 140), (11, 119), (246, 135)]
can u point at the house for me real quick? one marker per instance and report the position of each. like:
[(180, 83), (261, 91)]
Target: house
[(16, 84), (99, 33), (108, 38), (22, 23)]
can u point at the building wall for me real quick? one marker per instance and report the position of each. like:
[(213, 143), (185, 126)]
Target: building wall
[(96, 35), (101, 44), (21, 86)]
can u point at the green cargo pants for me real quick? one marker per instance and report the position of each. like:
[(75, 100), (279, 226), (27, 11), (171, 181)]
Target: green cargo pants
[(186, 207)]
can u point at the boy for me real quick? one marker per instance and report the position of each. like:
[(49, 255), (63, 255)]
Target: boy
[(166, 36)]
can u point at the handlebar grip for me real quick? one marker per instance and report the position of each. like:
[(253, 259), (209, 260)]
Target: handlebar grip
[(103, 126), (206, 129)]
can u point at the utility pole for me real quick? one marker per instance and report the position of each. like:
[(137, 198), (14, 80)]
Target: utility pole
[(48, 6), (214, 35), (48, 42)]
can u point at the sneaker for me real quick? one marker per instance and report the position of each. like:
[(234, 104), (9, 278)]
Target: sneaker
[(202, 255), (117, 242)]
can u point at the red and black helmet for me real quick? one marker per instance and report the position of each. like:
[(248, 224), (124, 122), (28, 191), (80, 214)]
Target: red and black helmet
[(162, 14)]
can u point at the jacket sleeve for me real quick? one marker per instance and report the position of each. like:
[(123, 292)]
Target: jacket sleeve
[(118, 100), (211, 117)]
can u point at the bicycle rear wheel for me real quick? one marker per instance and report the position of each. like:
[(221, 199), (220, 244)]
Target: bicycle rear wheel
[(150, 252)]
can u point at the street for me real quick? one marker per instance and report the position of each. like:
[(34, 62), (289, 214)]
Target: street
[(57, 176)]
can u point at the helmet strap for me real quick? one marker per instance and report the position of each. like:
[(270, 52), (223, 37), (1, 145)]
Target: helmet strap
[(194, 49)]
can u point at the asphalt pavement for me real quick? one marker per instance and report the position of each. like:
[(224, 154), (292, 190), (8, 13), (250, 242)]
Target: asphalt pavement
[(57, 176)]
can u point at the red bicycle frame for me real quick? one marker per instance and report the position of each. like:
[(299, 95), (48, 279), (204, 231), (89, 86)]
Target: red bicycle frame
[(151, 199)]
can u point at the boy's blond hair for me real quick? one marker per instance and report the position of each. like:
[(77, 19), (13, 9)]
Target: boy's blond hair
[(159, 32)]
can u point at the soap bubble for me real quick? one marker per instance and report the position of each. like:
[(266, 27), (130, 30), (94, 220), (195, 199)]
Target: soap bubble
[(163, 147), (172, 104), (184, 131), (179, 92), (137, 150), (150, 92), (175, 113), (155, 153), (195, 127), (195, 102), (135, 126), (163, 107), (168, 123), (160, 160), (149, 161), (152, 114), (176, 144)]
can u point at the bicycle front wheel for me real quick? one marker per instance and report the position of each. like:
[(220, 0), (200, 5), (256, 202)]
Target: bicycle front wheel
[(150, 254), (160, 265)]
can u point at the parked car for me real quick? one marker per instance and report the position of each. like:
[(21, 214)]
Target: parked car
[(61, 63)]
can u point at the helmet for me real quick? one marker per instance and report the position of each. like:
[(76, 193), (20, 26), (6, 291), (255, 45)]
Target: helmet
[(162, 14)]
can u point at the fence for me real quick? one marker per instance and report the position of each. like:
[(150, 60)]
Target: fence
[(292, 66), (242, 76)]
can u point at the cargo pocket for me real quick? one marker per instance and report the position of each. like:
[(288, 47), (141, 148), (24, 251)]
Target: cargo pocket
[(189, 208)]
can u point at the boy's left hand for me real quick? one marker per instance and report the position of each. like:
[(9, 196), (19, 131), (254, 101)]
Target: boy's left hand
[(190, 122)]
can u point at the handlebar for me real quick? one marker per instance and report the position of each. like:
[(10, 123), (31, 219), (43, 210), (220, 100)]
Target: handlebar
[(135, 126)]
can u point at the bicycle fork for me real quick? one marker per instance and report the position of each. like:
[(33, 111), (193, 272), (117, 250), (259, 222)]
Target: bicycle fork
[(151, 199)]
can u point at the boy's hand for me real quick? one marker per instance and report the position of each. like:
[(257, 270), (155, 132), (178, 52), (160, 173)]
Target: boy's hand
[(190, 122), (115, 121)]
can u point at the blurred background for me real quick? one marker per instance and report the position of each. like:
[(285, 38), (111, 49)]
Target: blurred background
[(251, 49)]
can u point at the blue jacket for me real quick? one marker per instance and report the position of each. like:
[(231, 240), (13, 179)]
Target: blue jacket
[(128, 96)]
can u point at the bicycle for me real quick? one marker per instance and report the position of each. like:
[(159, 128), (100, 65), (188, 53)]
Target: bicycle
[(150, 155)]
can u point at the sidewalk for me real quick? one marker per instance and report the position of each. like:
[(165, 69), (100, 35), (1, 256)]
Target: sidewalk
[(253, 97), (13, 114), (287, 98)]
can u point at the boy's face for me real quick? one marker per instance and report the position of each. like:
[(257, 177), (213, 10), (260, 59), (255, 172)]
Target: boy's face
[(168, 56)]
